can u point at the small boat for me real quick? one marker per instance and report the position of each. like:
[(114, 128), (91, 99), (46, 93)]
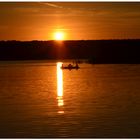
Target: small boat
[(70, 66)]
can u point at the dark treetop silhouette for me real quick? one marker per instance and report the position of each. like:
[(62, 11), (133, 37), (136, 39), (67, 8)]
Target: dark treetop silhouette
[(97, 51)]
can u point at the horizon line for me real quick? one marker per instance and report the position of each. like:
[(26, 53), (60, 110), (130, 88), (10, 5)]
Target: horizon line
[(72, 40)]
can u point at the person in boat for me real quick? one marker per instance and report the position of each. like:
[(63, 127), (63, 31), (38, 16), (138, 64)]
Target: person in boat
[(77, 65), (70, 65)]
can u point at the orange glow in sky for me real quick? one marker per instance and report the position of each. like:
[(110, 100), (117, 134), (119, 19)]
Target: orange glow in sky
[(69, 20)]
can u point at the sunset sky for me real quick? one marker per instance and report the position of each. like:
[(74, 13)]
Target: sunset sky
[(76, 20)]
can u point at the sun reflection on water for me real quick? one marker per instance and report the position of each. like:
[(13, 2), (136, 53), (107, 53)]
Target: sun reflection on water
[(60, 101), (60, 87)]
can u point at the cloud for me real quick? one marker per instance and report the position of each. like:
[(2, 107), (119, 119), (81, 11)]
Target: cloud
[(63, 7), (51, 5)]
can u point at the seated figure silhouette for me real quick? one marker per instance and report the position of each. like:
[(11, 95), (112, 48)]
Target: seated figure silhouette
[(70, 65)]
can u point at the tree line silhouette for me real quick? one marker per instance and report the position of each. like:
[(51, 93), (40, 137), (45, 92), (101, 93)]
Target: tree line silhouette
[(96, 51)]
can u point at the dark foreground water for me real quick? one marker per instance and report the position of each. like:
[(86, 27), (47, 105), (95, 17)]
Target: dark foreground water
[(39, 100)]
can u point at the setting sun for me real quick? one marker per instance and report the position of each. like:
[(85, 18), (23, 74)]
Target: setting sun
[(59, 36)]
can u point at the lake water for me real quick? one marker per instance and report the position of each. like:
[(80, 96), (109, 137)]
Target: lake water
[(38, 100)]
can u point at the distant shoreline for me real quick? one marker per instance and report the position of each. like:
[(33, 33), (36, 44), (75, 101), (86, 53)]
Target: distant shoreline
[(94, 51)]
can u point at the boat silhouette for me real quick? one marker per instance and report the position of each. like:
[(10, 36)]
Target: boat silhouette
[(70, 66)]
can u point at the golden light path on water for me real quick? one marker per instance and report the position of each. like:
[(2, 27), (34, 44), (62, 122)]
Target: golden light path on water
[(60, 86)]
